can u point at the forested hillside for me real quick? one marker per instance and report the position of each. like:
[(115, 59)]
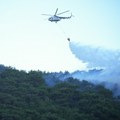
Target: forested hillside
[(26, 96)]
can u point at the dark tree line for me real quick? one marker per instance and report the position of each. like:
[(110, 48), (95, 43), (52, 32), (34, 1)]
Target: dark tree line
[(26, 96)]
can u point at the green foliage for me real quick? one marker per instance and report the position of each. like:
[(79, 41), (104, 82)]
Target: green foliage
[(25, 96)]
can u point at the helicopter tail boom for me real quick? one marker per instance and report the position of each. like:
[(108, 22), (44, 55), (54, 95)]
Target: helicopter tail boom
[(66, 17)]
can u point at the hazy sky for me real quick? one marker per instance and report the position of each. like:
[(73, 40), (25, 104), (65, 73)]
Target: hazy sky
[(29, 41)]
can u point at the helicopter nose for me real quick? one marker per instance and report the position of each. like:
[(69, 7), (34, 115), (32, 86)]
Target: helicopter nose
[(49, 19)]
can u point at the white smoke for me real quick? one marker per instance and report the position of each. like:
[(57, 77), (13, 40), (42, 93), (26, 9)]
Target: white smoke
[(108, 60)]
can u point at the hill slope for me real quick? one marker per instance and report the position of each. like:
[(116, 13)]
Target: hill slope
[(26, 96)]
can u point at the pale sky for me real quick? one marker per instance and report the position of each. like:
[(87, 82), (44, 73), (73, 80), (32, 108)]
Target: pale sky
[(28, 41)]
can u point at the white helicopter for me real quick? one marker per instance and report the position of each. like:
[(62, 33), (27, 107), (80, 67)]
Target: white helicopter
[(56, 18)]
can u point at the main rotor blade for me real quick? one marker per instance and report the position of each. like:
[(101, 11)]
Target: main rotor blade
[(56, 11), (46, 14), (63, 12)]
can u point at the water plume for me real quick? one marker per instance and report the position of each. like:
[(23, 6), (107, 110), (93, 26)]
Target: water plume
[(100, 58)]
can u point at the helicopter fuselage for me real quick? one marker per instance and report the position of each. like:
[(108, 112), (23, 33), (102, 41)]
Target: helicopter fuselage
[(54, 18)]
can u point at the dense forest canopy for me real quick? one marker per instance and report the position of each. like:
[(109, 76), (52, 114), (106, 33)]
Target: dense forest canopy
[(27, 96)]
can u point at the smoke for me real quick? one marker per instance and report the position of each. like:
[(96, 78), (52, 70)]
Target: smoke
[(108, 60)]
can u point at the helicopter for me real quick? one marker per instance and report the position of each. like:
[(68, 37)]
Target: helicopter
[(56, 18)]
